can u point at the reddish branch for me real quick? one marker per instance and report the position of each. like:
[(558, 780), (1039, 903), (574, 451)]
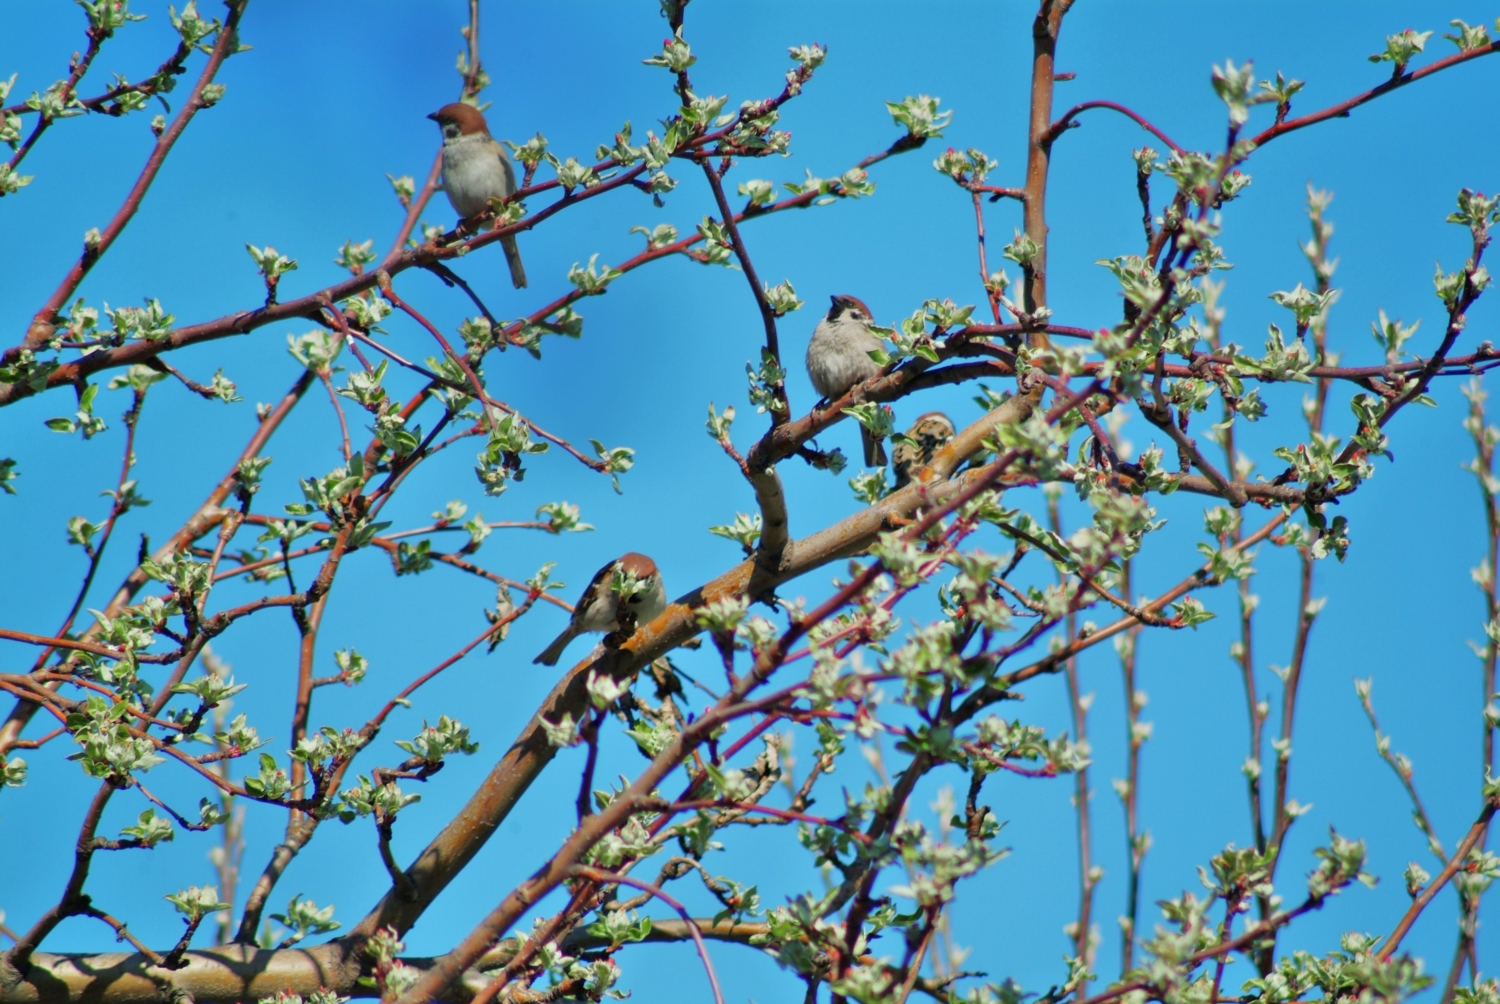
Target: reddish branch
[(610, 878), (933, 495), (1068, 121), (224, 46), (65, 95), (411, 688), (1044, 31), (1343, 108), (422, 256), (1054, 661), (204, 518), (1460, 853), (73, 900), (637, 797), (52, 643)]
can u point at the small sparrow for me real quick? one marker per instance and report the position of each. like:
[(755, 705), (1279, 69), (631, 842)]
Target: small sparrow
[(920, 444), (838, 357), (476, 170), (601, 606)]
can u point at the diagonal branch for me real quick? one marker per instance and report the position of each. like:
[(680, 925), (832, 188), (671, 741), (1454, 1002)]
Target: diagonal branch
[(204, 518), (1067, 122), (596, 875), (491, 804), (225, 45), (763, 478), (1475, 834), (1343, 108)]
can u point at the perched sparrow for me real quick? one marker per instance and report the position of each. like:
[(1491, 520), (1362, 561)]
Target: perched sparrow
[(920, 444), (838, 357), (476, 170), (600, 607)]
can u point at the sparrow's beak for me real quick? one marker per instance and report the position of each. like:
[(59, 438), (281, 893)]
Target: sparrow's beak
[(834, 299), (433, 116)]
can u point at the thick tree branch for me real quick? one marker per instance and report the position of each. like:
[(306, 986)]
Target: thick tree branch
[(523, 762), (233, 973), (1044, 31)]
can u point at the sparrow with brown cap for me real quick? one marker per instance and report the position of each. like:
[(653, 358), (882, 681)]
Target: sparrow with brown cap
[(628, 588), (476, 170), (916, 447), (838, 357)]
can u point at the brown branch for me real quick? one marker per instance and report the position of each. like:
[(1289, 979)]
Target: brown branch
[(389, 545), (461, 839), (1082, 795), (96, 553), (452, 278), (1053, 662), (596, 875), (173, 65), (638, 796), (1465, 949), (122, 933), (767, 312), (42, 325), (72, 900), (38, 743), (411, 688), (300, 823), (1404, 775), (311, 306), (1134, 846), (1067, 122), (1475, 834), (461, 361), (769, 494), (75, 73), (250, 567), (68, 643), (1222, 486), (992, 295), (1253, 933), (414, 211), (1343, 108), (485, 398), (1044, 31), (232, 973), (205, 517), (338, 410)]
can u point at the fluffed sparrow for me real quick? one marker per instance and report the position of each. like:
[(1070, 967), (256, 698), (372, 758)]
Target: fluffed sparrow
[(629, 587), (838, 357), (476, 170), (919, 444)]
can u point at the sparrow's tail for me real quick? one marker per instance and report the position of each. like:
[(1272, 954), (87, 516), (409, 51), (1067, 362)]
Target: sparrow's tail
[(517, 270), (905, 463), (874, 448), (554, 651)]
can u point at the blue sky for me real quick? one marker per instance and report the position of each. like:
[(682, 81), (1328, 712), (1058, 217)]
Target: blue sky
[(333, 97)]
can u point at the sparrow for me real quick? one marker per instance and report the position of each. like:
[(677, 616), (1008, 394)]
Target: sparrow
[(601, 607), (476, 170), (838, 357), (920, 444)]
